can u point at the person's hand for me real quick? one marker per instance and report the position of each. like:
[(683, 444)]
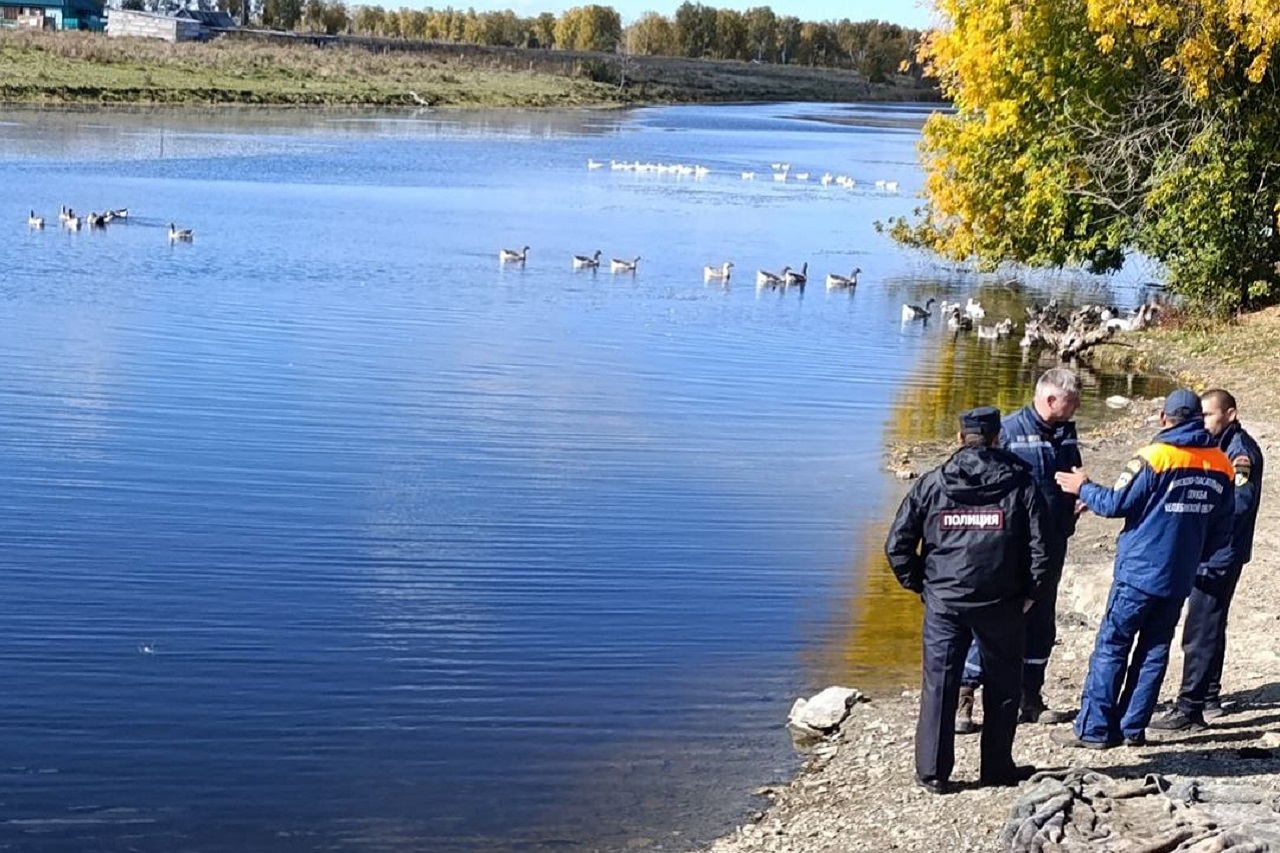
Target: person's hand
[(1028, 604), (1081, 509), (1071, 481)]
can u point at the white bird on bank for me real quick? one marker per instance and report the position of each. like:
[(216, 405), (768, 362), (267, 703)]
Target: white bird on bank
[(720, 273), (590, 262), (34, 221), (915, 312), (835, 282), (891, 186), (594, 164), (618, 265), (511, 256), (180, 235)]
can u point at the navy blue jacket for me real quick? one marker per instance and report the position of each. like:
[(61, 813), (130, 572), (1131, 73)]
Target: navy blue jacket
[(1047, 449), (1176, 498), (1246, 461)]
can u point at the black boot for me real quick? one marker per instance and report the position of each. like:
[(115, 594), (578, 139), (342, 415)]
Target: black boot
[(1033, 710)]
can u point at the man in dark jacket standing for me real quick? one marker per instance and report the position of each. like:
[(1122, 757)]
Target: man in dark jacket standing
[(1176, 500), (1043, 435), (1204, 634), (970, 539)]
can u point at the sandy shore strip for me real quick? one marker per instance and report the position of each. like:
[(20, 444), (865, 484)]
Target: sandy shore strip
[(862, 798)]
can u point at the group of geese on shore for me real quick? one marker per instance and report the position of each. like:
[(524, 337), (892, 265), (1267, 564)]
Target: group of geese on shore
[(72, 221), (961, 317), (782, 173), (722, 272)]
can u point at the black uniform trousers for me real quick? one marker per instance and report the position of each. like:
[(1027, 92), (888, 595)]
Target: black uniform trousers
[(1041, 625), (1204, 639), (999, 632)]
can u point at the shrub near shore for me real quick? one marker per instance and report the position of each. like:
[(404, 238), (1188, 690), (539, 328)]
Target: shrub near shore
[(68, 67)]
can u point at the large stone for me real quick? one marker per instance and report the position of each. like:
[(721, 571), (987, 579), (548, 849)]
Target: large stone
[(815, 718)]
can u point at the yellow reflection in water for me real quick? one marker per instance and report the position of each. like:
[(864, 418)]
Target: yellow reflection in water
[(879, 647)]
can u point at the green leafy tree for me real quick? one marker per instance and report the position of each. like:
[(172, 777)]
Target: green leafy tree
[(695, 26), (762, 32), (1087, 129), (594, 28), (788, 38), (652, 35), (544, 30), (731, 35)]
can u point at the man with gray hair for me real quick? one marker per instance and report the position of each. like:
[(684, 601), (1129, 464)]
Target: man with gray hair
[(1042, 435)]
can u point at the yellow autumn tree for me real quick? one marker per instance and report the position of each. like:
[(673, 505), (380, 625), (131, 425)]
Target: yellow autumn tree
[(1086, 129)]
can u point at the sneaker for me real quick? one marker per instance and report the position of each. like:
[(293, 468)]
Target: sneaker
[(1178, 721), (1009, 778), (1213, 710), (1069, 739), (964, 724), (1136, 740)]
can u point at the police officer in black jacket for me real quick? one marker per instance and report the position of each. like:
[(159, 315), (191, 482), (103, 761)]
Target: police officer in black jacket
[(971, 539)]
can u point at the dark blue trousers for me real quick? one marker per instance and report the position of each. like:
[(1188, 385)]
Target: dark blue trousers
[(998, 633), (1128, 664), (1204, 639), (1041, 633)]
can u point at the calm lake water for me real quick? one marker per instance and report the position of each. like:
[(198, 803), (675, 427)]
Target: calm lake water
[(328, 532)]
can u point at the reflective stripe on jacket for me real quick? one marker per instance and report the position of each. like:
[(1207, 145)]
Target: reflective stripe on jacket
[(1047, 449)]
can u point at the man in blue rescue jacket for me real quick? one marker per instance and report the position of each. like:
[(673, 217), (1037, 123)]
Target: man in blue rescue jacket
[(1204, 634), (1042, 435), (969, 538), (1176, 500)]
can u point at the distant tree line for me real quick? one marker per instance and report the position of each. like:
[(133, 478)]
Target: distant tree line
[(877, 49)]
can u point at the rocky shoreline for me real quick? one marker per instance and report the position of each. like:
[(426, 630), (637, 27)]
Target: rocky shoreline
[(856, 791)]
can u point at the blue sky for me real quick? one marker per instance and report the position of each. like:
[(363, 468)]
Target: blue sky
[(910, 13)]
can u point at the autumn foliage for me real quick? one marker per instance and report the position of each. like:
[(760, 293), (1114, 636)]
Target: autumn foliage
[(1086, 130)]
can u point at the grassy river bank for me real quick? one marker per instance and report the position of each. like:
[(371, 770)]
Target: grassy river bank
[(90, 68)]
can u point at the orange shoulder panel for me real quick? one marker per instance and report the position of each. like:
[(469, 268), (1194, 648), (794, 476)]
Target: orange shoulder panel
[(1167, 457)]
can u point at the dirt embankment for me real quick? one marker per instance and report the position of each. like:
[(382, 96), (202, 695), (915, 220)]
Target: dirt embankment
[(863, 798), (79, 68)]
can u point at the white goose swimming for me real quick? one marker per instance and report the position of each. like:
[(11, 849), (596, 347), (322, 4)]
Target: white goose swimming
[(720, 273), (619, 265), (511, 256), (973, 308), (764, 278), (800, 278), (835, 282), (72, 222), (915, 312), (180, 235), (591, 262), (34, 221)]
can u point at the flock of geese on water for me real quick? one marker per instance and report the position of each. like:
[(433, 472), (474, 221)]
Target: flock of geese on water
[(782, 173), (962, 317), (72, 221), (723, 272)]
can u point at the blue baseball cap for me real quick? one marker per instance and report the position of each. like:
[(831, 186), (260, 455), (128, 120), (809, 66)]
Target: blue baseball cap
[(1183, 403)]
